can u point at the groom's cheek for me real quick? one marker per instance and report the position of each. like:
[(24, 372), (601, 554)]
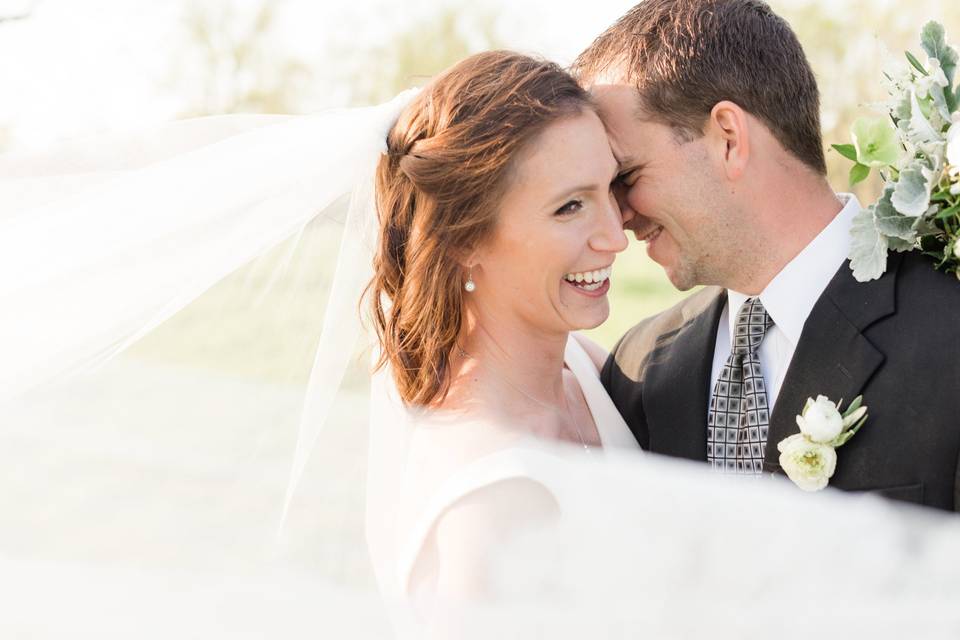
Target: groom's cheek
[(640, 225)]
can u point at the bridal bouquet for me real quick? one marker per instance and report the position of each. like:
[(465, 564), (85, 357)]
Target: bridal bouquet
[(916, 149)]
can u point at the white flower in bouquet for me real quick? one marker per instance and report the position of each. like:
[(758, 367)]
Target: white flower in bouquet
[(875, 142), (935, 78), (953, 144)]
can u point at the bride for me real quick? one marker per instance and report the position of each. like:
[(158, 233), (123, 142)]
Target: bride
[(498, 232)]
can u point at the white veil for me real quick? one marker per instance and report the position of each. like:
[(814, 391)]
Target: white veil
[(149, 442), (149, 427)]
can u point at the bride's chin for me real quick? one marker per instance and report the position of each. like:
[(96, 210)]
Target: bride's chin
[(595, 323), (586, 319)]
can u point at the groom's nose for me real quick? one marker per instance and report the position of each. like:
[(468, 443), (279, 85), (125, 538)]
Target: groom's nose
[(627, 214)]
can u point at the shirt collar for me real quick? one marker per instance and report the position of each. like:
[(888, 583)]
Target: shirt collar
[(790, 296)]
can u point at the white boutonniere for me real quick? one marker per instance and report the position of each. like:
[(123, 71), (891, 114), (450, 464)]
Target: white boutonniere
[(809, 458)]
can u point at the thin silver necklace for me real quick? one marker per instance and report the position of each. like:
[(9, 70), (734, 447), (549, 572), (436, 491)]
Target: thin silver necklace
[(586, 447)]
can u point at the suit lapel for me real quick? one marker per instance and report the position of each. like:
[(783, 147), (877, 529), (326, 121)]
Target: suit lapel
[(676, 388), (832, 357)]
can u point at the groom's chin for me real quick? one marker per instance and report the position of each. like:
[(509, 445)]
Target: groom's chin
[(682, 279)]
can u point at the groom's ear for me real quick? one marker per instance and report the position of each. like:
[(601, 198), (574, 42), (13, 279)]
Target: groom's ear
[(728, 130)]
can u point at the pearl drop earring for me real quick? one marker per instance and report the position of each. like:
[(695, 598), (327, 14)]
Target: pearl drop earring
[(470, 285)]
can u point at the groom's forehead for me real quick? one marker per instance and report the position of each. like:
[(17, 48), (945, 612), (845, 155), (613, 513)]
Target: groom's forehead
[(621, 109), (622, 97)]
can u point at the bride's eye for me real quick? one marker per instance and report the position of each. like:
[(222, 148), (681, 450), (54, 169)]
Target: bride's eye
[(569, 208)]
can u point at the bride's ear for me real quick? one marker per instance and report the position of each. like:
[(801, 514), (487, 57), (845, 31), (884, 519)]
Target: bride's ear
[(468, 258), (729, 131)]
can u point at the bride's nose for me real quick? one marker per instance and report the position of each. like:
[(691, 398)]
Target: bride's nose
[(608, 236)]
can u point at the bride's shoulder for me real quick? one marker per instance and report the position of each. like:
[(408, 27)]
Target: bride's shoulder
[(598, 355)]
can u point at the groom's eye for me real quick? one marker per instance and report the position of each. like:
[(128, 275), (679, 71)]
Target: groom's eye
[(569, 207), (626, 179)]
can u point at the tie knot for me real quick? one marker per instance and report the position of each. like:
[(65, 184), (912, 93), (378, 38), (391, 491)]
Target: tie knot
[(753, 321)]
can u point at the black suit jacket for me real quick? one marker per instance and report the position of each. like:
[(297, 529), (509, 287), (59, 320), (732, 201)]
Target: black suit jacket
[(895, 341)]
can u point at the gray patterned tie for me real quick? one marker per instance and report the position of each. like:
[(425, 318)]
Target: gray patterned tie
[(739, 415)]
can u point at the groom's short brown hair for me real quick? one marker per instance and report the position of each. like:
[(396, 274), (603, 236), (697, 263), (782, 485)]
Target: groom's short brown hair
[(684, 56)]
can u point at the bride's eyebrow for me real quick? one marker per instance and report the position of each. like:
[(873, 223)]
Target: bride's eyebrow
[(566, 193)]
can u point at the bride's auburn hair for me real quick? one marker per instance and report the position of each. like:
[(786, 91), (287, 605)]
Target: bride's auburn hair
[(449, 160)]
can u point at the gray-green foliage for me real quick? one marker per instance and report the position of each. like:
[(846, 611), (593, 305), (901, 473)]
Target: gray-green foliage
[(933, 40), (868, 249), (889, 221)]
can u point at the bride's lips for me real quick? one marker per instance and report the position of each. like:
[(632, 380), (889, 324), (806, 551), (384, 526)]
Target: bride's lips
[(599, 292), (592, 283)]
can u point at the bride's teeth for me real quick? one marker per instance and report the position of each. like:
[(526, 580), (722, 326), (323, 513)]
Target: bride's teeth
[(589, 278)]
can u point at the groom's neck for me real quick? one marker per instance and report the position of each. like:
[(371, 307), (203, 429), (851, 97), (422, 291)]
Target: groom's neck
[(788, 215)]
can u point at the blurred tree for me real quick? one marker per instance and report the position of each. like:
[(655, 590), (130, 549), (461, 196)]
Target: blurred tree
[(234, 61), (414, 54)]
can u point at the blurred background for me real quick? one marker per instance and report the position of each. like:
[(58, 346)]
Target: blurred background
[(71, 68)]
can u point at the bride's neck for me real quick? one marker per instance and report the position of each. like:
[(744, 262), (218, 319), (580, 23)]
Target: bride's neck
[(517, 354)]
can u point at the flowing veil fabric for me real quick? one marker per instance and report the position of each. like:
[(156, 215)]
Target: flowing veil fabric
[(184, 442), (181, 307)]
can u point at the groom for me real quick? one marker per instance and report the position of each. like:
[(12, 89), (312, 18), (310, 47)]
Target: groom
[(713, 114)]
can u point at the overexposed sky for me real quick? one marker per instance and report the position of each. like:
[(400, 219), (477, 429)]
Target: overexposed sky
[(78, 66)]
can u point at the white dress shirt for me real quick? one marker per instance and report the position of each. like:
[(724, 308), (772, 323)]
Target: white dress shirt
[(788, 299)]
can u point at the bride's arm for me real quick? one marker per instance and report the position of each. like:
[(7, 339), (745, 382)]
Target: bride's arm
[(465, 540), (480, 523), (598, 355)]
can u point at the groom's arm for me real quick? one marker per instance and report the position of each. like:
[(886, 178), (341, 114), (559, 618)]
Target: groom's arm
[(624, 389), (956, 487)]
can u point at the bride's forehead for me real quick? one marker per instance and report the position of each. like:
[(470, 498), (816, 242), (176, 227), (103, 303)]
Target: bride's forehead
[(576, 147)]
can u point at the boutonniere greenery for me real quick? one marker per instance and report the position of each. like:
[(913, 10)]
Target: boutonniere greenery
[(809, 458), (916, 150)]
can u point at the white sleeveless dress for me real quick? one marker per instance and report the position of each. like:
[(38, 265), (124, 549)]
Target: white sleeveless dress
[(422, 464)]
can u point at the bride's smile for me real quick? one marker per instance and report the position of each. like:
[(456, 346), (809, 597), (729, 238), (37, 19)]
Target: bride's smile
[(594, 283)]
